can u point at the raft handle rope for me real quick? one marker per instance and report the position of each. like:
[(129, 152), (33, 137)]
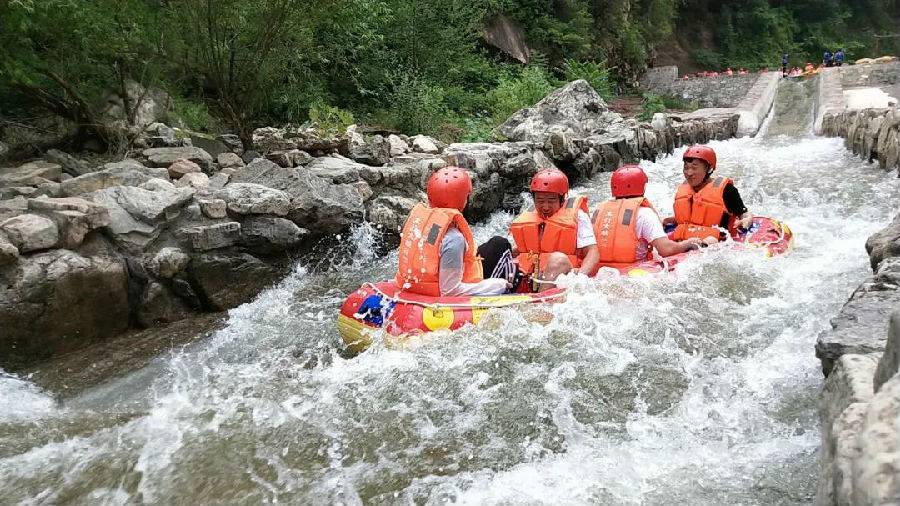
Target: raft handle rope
[(468, 305)]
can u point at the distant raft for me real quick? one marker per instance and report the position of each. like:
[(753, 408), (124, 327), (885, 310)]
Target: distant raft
[(404, 315)]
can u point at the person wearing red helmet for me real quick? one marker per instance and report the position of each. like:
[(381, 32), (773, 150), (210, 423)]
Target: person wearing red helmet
[(628, 228), (556, 237), (704, 206), (437, 254)]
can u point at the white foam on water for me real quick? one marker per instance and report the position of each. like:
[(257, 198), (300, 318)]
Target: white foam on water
[(698, 387)]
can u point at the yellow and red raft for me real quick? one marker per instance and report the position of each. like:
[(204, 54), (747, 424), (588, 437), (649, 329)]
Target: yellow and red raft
[(383, 306)]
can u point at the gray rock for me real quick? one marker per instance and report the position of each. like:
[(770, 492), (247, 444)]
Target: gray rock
[(4, 149), (59, 301), (219, 180), (250, 198), (226, 281), (158, 306), (69, 163), (161, 136), (220, 235), (336, 169), (193, 180), (291, 158), (152, 104), (8, 252), (233, 142), (876, 473), (137, 215), (249, 156), (31, 232), (269, 139), (74, 217), (315, 203), (889, 364), (425, 144), (397, 145), (157, 185), (12, 207), (374, 151), (125, 173), (390, 212), (268, 233), (884, 244), (168, 262), (182, 167), (575, 110), (164, 157), (229, 160), (209, 143), (213, 208), (30, 174), (859, 327)]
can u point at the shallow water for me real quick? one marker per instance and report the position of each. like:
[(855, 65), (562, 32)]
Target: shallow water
[(698, 387)]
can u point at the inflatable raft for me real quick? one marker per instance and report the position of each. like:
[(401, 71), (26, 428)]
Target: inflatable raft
[(402, 315)]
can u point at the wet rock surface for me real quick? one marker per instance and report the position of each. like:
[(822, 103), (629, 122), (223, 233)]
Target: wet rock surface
[(860, 407), (873, 134)]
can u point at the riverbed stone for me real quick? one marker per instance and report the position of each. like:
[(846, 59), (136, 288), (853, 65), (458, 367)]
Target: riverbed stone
[(168, 262), (336, 168), (67, 162), (30, 174), (213, 208), (59, 301), (389, 212), (31, 232), (12, 207), (251, 198), (397, 146), (125, 173), (224, 281), (425, 144), (8, 252), (229, 160), (164, 157), (74, 217), (193, 180), (137, 215), (210, 237), (290, 158), (159, 306), (181, 167), (884, 243), (157, 185), (270, 233)]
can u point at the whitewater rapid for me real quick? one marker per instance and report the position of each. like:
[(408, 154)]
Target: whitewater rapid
[(699, 387)]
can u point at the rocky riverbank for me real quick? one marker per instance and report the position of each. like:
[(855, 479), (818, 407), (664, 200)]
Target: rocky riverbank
[(873, 134), (860, 408), (188, 223)]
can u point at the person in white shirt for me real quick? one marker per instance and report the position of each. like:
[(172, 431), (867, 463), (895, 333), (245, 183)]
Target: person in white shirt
[(628, 228)]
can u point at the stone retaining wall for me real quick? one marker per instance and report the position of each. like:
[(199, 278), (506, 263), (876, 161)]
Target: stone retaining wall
[(873, 134), (860, 406)]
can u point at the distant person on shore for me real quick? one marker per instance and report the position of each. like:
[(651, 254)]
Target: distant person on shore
[(839, 57), (784, 65), (828, 58), (706, 207)]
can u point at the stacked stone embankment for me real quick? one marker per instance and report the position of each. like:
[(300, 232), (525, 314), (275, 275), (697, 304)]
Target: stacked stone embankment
[(873, 134), (860, 406), (175, 229), (749, 96)]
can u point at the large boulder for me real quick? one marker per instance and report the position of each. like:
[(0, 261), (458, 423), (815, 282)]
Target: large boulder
[(316, 204), (149, 106), (389, 212), (125, 173), (164, 157), (225, 281), (31, 232), (74, 217), (876, 471), (168, 262), (251, 198), (575, 110), (59, 301), (425, 144), (69, 163), (336, 168), (210, 237), (30, 174), (137, 215), (884, 244), (268, 234)]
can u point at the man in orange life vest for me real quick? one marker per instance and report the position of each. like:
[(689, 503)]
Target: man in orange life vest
[(437, 254), (556, 237), (704, 205), (628, 228)]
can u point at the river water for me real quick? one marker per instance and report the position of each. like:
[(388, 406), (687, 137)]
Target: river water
[(696, 388)]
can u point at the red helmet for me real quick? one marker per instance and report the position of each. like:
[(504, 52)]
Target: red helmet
[(550, 180), (704, 153), (628, 181), (450, 188)]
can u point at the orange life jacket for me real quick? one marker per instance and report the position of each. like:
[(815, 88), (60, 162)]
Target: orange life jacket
[(699, 214), (615, 223), (420, 249), (536, 238)]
